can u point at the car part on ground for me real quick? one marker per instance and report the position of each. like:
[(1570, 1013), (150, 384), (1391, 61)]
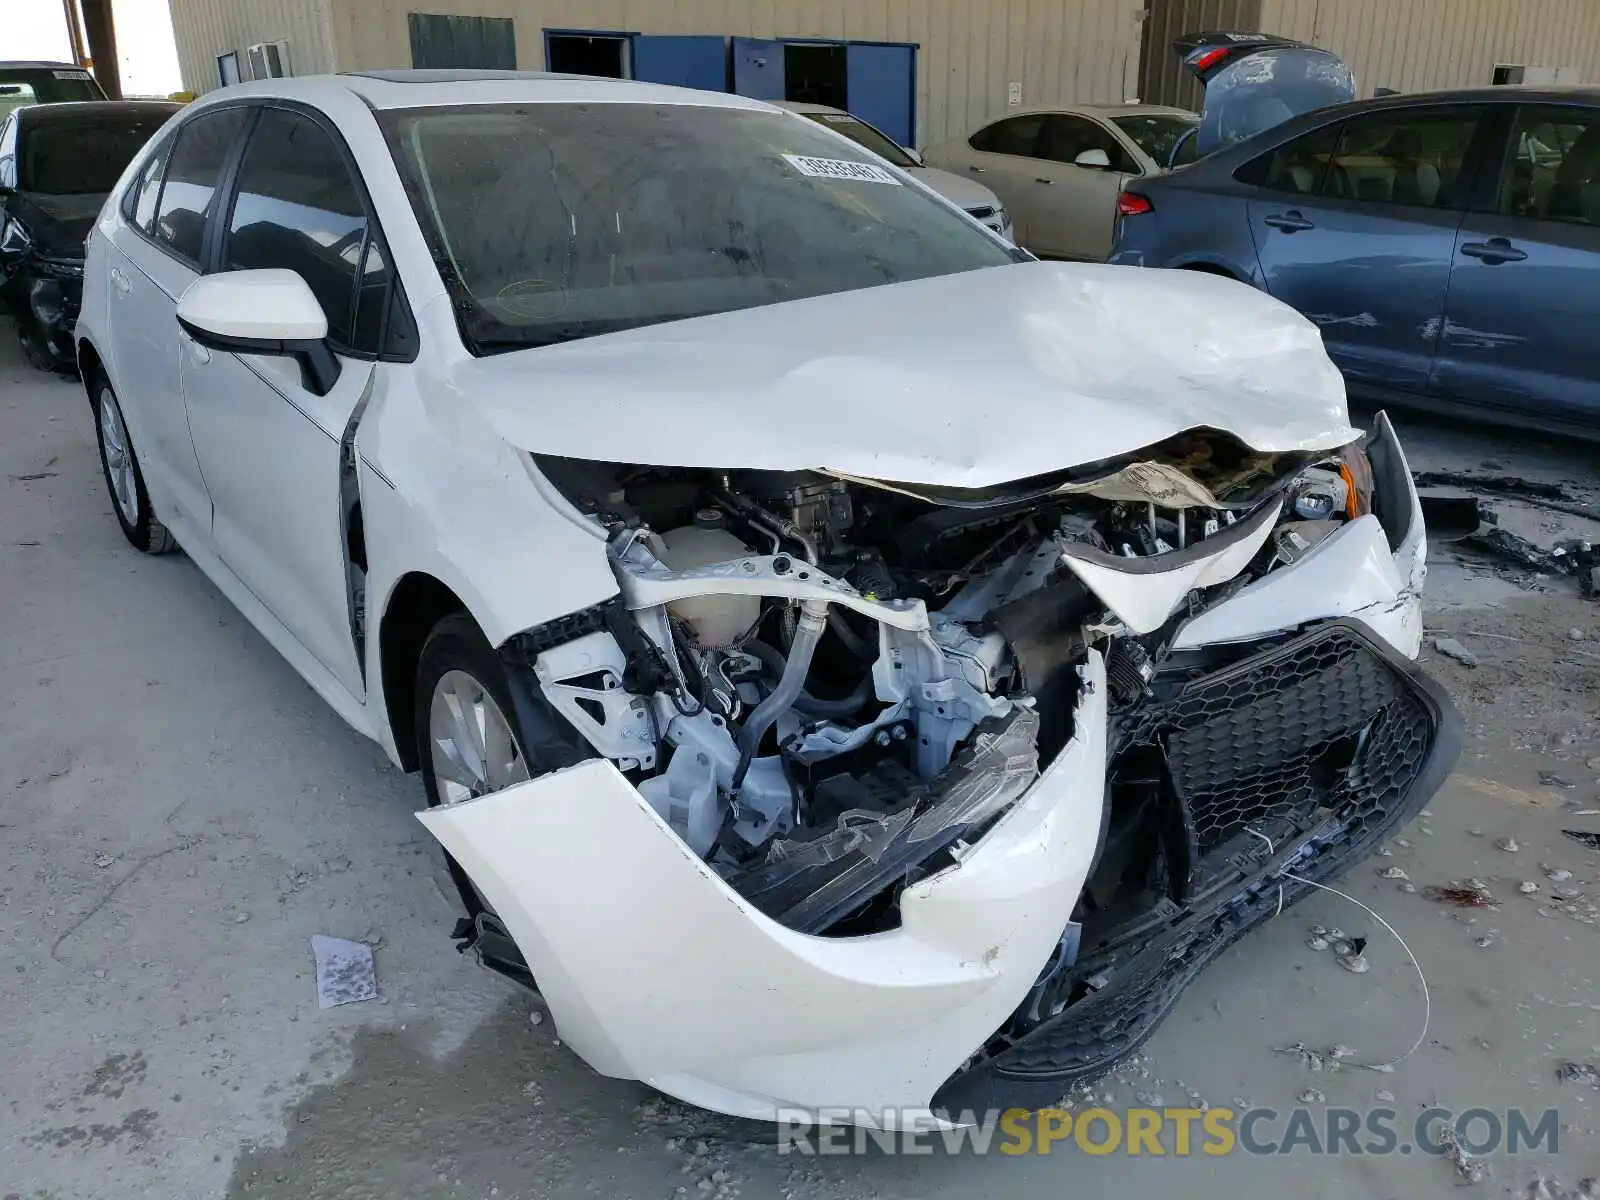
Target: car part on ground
[(57, 164)]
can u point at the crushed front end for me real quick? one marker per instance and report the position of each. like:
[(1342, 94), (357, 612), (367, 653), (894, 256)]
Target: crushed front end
[(866, 795)]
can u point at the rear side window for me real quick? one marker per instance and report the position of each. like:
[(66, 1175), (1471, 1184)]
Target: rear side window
[(1402, 158), (1014, 135), (139, 206), (201, 148), (1552, 171), (298, 207), (1296, 167)]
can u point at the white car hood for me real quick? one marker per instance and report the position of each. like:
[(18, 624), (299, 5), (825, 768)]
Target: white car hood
[(961, 381), (967, 193)]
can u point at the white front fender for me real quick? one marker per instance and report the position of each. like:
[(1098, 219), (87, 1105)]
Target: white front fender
[(655, 969)]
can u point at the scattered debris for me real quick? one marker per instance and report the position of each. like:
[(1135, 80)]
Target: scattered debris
[(1408, 887), (239, 918), (536, 1018), (1508, 844), (1316, 941), (1548, 1187), (1591, 840), (1483, 943), (1451, 648), (345, 973), (1393, 873), (1471, 1170), (1330, 1059), (1518, 550), (1383, 1096), (1462, 896), (1576, 635), (1311, 1096), (1356, 963), (103, 860), (1576, 1072), (1557, 874), (1527, 887), (1551, 779)]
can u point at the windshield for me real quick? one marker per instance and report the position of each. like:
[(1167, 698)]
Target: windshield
[(1156, 136), (45, 85), (551, 222), (863, 134), (73, 157)]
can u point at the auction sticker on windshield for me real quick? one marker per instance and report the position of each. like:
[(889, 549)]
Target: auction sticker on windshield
[(839, 168)]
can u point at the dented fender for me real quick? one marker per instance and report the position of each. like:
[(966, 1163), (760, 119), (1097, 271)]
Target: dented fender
[(655, 969)]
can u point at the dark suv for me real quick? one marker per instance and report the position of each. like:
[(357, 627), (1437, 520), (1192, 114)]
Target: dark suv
[(1448, 244)]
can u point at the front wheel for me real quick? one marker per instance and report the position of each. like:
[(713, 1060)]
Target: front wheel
[(124, 479), (463, 720)]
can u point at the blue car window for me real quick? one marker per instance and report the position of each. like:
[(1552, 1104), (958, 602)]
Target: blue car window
[(1296, 167), (1552, 172)]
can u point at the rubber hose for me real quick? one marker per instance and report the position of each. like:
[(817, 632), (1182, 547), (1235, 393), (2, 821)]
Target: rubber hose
[(852, 640), (805, 702), (808, 633)]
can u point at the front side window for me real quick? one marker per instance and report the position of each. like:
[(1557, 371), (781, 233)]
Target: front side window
[(1552, 172), (864, 135), (1402, 157), (297, 207), (73, 156), (191, 177), (552, 222), (1014, 135)]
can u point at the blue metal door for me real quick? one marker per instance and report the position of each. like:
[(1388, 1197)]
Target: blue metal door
[(881, 83), (696, 61), (758, 68)]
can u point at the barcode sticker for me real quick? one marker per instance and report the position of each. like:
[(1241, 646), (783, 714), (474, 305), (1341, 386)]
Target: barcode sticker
[(839, 168)]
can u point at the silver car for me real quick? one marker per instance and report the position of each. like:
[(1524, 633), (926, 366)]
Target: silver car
[(1059, 170)]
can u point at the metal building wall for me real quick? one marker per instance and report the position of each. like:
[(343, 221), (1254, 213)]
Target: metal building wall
[(204, 29), (1413, 45), (970, 52)]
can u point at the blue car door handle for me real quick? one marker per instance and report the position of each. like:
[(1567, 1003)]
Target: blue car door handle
[(1289, 222), (1495, 250)]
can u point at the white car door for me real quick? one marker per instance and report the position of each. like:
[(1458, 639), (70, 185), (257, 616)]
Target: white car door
[(155, 256), (270, 441), (1075, 206)]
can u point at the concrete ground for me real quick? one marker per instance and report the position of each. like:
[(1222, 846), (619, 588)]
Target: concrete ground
[(179, 814)]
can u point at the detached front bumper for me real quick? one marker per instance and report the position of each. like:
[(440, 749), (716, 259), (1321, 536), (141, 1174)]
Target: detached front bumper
[(654, 969)]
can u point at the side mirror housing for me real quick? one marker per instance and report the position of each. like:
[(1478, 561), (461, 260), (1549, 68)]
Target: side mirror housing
[(262, 312), (1095, 160)]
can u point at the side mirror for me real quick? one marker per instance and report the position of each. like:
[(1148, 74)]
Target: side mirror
[(1095, 160), (262, 312), (914, 155)]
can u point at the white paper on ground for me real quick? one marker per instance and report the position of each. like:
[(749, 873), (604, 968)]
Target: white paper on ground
[(345, 974)]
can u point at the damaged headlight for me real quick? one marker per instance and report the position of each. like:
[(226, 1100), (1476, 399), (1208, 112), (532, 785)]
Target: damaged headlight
[(808, 885)]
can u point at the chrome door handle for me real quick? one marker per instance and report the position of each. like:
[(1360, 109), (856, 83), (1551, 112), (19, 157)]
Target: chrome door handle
[(120, 281), (198, 354)]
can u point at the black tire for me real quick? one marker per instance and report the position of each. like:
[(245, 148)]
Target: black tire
[(457, 644), (143, 531)]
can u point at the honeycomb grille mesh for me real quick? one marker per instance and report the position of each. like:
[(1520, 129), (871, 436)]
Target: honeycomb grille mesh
[(1245, 743)]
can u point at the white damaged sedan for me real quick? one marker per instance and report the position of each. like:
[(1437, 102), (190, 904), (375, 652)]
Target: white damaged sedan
[(850, 665)]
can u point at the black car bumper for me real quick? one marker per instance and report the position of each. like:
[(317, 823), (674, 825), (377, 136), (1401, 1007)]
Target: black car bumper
[(1300, 758)]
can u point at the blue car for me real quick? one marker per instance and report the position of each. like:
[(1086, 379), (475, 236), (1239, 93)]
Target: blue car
[(1448, 244)]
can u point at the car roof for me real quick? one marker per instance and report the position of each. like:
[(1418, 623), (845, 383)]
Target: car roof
[(73, 110), (1099, 110), (22, 64), (806, 106), (390, 89)]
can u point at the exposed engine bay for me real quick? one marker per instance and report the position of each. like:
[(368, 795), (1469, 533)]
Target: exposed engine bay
[(828, 686)]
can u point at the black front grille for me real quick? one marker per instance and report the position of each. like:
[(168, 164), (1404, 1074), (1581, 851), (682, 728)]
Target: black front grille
[(1278, 735), (1325, 745)]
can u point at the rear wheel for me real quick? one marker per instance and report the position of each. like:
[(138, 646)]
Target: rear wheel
[(124, 479)]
